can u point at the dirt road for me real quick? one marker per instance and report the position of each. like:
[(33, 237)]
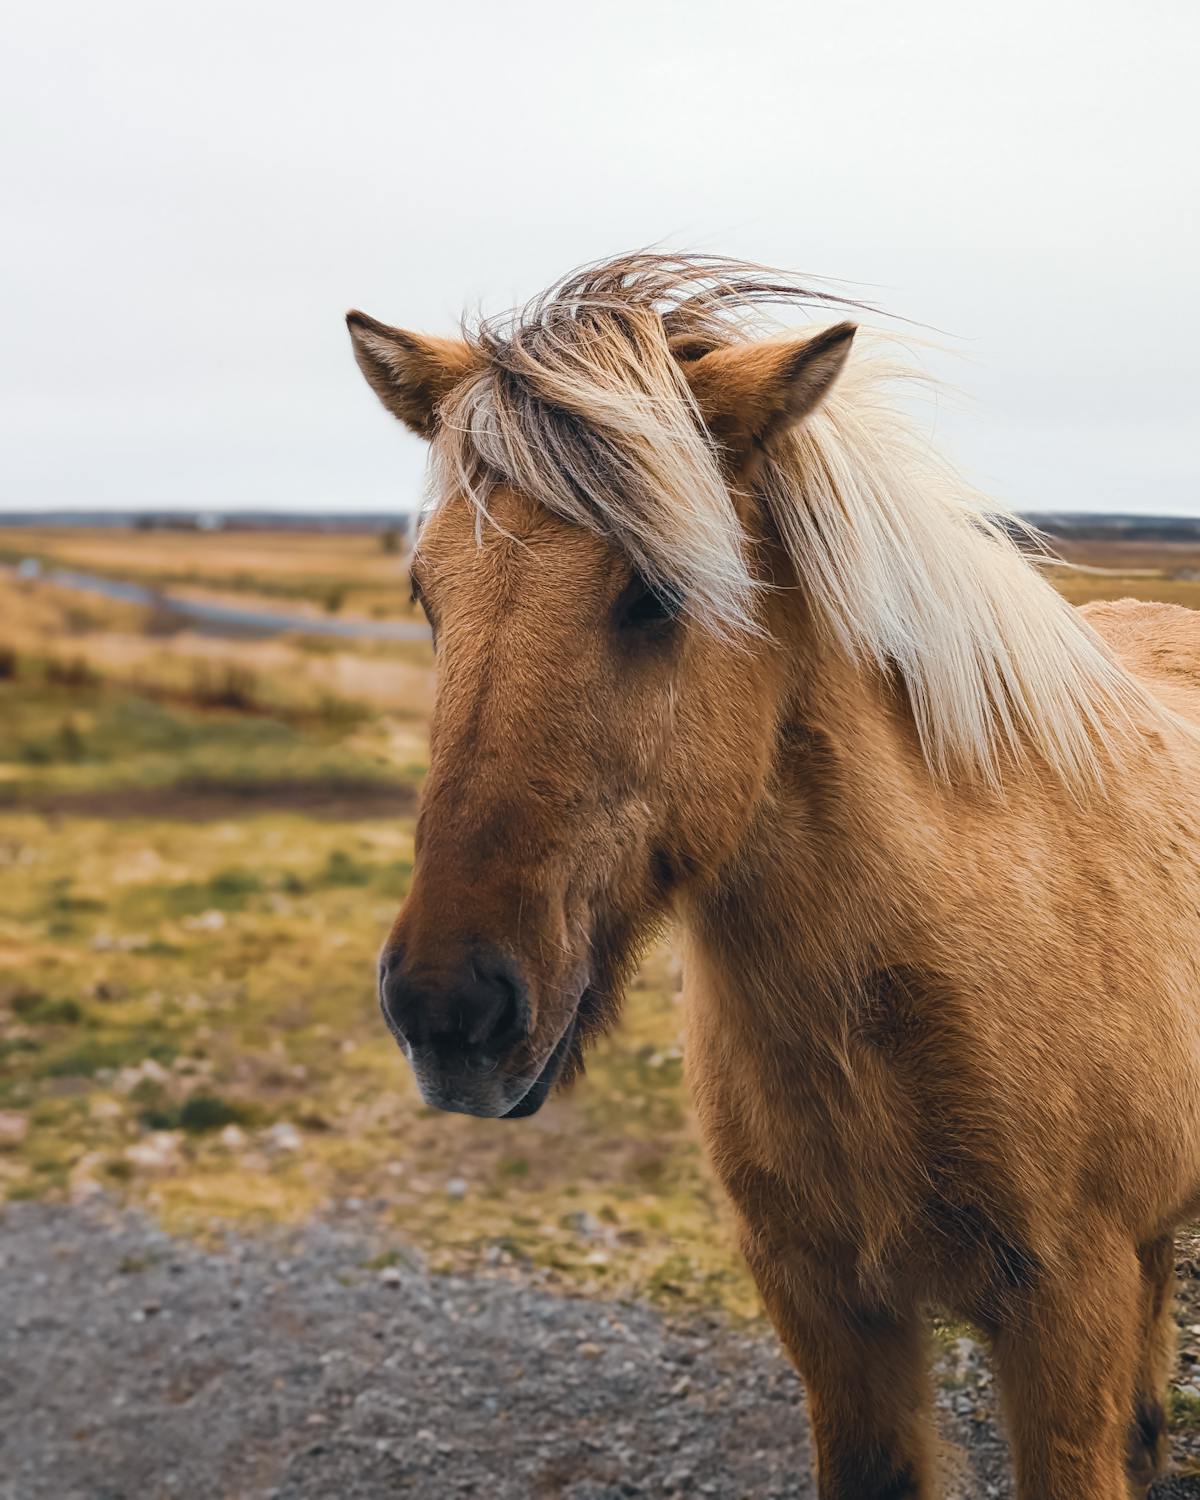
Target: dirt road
[(134, 1366)]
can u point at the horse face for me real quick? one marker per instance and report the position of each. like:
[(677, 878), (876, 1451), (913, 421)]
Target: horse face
[(592, 753), (596, 750)]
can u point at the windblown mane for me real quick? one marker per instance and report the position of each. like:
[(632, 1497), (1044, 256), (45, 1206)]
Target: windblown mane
[(582, 405)]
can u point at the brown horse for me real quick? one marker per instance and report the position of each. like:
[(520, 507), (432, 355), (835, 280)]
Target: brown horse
[(719, 638)]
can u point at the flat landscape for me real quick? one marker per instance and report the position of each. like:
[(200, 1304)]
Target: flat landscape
[(203, 840)]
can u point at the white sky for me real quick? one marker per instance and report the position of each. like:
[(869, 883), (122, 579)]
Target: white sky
[(194, 194)]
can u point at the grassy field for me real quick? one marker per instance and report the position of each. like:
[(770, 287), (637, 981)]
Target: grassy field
[(202, 843), (1165, 571), (358, 574)]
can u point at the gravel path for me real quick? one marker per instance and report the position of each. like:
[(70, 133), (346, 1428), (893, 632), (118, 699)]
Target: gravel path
[(134, 1366)]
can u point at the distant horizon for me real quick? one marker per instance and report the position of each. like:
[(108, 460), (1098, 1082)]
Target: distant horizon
[(19, 515)]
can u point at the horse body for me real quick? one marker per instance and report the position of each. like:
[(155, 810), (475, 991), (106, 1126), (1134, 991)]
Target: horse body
[(946, 1052), (715, 641)]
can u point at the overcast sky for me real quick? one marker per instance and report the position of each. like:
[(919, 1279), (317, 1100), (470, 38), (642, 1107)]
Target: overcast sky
[(193, 195)]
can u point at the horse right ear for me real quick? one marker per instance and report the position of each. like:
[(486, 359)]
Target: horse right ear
[(749, 393), (411, 373)]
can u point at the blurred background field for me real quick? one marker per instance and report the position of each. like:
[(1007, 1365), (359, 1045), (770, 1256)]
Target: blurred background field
[(203, 839)]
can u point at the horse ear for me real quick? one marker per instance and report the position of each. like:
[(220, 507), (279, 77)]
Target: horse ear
[(411, 373), (750, 393)]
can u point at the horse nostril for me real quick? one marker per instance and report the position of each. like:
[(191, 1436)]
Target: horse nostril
[(391, 1003), (473, 1016), (389, 959), (496, 1014)]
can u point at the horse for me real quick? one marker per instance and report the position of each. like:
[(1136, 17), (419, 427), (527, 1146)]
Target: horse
[(723, 641)]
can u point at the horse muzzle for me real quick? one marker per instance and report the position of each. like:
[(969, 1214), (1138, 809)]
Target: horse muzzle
[(468, 1036)]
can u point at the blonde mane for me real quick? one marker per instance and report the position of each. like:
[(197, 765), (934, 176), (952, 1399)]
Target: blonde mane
[(580, 402)]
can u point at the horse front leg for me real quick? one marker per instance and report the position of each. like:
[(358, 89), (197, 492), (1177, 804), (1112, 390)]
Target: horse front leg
[(1156, 1354), (866, 1375), (1066, 1353)]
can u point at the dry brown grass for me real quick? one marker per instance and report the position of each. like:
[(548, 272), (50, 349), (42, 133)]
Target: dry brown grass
[(131, 646), (342, 572), (1131, 556), (1164, 572), (63, 633)]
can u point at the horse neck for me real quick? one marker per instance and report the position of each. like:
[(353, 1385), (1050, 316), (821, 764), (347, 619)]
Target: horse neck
[(815, 896)]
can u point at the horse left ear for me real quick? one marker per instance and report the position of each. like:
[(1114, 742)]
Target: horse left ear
[(411, 373), (749, 394)]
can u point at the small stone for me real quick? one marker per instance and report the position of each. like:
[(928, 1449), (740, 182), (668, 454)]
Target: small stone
[(157, 1151), (14, 1128), (82, 1187), (147, 1071), (130, 942), (391, 1275), (207, 921), (584, 1224), (456, 1187), (284, 1136), (588, 1350)]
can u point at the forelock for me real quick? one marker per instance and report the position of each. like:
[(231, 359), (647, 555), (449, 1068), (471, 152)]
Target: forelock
[(580, 403)]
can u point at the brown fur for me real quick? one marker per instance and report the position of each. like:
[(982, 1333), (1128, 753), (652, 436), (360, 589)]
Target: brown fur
[(944, 1040)]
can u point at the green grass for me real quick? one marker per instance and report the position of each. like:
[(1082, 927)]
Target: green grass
[(57, 739), (35, 1008), (198, 1114)]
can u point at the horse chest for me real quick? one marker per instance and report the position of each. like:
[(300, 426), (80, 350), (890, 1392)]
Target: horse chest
[(821, 1140)]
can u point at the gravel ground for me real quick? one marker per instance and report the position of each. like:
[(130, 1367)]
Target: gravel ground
[(134, 1366)]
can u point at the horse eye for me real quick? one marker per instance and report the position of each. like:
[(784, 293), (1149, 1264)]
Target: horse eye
[(647, 609), (418, 598)]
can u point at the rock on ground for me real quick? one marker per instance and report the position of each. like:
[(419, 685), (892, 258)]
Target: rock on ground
[(134, 1367)]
